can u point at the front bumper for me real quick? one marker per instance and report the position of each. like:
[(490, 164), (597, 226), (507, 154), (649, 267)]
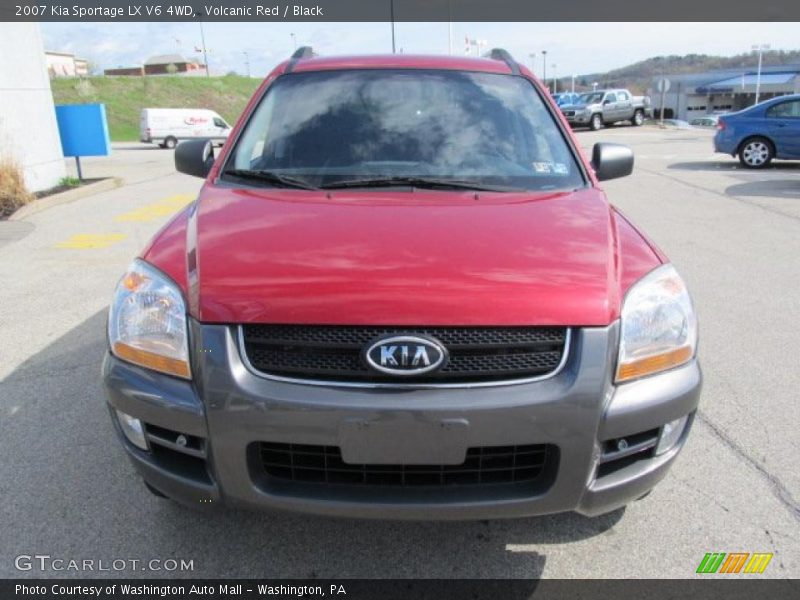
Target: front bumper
[(228, 410), (577, 117)]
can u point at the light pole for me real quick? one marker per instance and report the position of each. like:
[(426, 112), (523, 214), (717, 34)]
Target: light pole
[(247, 63), (532, 56), (449, 28), (573, 83), (294, 40), (205, 53), (544, 66), (555, 80), (391, 14), (760, 48)]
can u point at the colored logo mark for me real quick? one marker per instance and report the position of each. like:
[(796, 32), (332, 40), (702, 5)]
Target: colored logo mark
[(734, 562)]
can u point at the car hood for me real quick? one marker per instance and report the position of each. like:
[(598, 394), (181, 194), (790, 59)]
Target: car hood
[(402, 257), (576, 106)]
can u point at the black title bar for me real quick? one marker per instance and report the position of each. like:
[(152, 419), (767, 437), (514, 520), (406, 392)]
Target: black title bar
[(733, 588), (402, 10)]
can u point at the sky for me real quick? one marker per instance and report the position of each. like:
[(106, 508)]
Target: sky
[(574, 48)]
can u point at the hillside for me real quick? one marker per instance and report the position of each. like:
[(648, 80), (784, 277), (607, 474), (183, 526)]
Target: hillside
[(124, 97), (638, 76)]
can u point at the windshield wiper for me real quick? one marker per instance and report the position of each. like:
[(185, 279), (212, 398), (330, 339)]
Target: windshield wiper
[(420, 182), (270, 177)]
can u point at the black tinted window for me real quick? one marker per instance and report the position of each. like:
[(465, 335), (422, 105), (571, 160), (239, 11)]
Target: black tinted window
[(340, 125)]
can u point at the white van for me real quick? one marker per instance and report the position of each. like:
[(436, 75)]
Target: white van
[(167, 126)]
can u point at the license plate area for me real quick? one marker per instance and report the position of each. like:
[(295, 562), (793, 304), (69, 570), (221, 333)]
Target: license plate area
[(403, 440)]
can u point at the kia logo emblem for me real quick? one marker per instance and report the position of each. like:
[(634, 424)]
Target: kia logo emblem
[(405, 355)]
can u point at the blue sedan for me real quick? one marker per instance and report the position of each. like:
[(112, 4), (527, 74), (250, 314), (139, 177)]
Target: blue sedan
[(762, 132)]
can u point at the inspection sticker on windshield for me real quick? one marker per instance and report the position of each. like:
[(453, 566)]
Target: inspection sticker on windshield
[(548, 167)]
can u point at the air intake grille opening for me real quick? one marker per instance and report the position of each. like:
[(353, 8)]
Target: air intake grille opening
[(334, 353), (482, 466)]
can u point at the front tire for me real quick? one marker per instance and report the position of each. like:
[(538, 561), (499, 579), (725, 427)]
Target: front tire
[(596, 122), (756, 153), (638, 118), (170, 142)]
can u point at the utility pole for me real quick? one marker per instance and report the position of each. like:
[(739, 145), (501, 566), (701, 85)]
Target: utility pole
[(205, 52), (760, 48), (573, 83), (450, 27), (544, 66), (555, 79), (391, 15)]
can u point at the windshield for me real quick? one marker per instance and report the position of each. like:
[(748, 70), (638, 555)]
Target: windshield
[(593, 98), (358, 125)]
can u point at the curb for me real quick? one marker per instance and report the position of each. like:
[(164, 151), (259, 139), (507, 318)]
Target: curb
[(83, 191)]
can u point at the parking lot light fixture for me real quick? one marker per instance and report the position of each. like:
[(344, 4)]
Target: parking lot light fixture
[(544, 66), (760, 48)]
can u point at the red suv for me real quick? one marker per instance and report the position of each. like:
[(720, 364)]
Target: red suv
[(402, 293)]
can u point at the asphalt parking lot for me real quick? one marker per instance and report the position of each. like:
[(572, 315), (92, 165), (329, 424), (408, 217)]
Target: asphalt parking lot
[(67, 489)]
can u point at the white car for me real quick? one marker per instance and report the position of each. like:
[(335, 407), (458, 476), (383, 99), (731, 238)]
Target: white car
[(167, 126)]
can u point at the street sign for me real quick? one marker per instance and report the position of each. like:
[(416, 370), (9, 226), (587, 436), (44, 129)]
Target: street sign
[(663, 85)]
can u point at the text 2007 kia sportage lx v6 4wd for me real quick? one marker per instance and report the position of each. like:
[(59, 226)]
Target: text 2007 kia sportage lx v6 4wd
[(401, 293)]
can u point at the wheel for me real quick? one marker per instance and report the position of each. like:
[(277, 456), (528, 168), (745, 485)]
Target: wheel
[(756, 153), (170, 142), (638, 118), (596, 122), (154, 491)]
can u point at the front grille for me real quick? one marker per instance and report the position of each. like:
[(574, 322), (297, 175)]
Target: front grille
[(334, 353), (483, 466)]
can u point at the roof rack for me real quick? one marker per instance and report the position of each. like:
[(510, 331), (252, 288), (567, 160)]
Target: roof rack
[(299, 54), (500, 54), (303, 52)]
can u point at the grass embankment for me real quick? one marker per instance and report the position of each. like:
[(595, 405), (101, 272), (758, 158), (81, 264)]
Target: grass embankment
[(125, 97)]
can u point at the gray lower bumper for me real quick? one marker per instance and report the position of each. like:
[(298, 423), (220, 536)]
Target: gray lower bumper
[(230, 409)]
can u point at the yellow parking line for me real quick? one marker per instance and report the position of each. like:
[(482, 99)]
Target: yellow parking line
[(162, 208), (82, 241)]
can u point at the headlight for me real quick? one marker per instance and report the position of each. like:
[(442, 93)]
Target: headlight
[(659, 326), (147, 321)]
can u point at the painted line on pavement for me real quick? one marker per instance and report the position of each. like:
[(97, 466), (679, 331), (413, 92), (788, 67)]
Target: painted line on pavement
[(162, 208), (85, 241)]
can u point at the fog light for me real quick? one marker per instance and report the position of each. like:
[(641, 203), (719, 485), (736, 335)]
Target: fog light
[(670, 434), (133, 430)]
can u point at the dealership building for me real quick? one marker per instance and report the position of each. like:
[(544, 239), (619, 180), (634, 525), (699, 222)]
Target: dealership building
[(699, 94), (29, 135)]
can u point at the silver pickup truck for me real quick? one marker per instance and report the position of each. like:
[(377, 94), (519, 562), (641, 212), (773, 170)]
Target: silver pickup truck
[(602, 107)]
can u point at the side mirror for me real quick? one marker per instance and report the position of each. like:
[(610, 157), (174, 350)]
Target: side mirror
[(194, 157), (610, 161), (606, 101)]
